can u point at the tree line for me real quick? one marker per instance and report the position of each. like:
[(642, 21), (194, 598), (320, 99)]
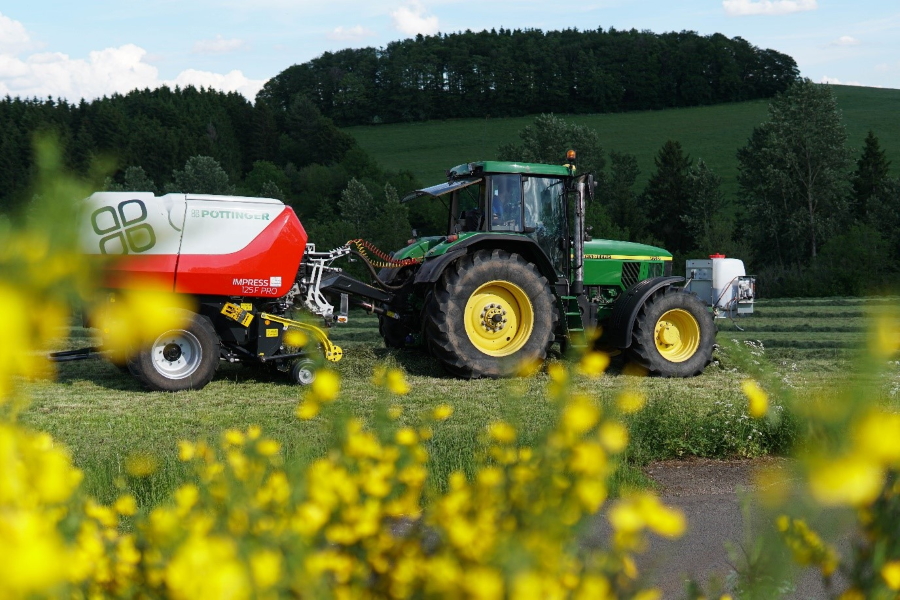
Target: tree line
[(816, 218), (204, 141), (503, 73)]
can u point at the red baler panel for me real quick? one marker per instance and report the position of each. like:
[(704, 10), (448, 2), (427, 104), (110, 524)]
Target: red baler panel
[(267, 267), (156, 270)]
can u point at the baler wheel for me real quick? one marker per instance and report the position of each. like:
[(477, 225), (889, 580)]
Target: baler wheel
[(491, 313), (673, 334), (179, 359)]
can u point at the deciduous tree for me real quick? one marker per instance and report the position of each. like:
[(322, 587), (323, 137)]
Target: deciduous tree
[(793, 172)]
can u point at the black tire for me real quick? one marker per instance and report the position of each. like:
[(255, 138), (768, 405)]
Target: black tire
[(673, 334), (179, 359), (392, 332), (490, 312)]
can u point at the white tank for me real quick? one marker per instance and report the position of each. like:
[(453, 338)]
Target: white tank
[(722, 283)]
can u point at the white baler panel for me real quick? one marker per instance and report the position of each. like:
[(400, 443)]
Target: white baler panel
[(132, 223), (218, 225)]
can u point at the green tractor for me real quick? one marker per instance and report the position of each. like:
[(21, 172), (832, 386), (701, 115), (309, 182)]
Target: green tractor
[(516, 272)]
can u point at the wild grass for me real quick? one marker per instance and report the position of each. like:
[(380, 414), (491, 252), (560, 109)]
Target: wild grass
[(713, 133), (105, 417)]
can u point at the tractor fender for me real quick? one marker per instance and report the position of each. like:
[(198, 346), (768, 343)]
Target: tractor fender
[(628, 305), (432, 269)]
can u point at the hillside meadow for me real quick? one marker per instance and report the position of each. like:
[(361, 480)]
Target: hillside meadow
[(713, 133), (106, 418)]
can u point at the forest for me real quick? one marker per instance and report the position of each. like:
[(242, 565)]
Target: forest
[(834, 230), (514, 72)]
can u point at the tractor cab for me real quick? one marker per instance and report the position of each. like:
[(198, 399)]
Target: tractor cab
[(508, 198)]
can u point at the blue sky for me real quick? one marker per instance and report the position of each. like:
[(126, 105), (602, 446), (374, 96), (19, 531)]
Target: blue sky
[(95, 47)]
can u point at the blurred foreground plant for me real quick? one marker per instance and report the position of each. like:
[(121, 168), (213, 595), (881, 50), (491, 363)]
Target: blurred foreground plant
[(361, 521)]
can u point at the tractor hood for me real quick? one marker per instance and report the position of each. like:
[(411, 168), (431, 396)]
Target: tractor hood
[(618, 250)]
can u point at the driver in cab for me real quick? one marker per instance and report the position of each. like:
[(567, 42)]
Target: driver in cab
[(506, 203)]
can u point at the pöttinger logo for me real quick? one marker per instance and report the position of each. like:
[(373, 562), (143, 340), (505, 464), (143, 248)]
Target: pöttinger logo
[(122, 229)]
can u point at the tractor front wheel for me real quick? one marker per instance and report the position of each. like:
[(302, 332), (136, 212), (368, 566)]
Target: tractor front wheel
[(491, 313), (673, 334), (179, 359)]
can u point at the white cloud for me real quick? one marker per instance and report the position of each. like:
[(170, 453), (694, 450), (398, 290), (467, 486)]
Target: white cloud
[(217, 46), (411, 20), (740, 8), (13, 37), (102, 73), (233, 81), (836, 81), (105, 72), (845, 40), (350, 34)]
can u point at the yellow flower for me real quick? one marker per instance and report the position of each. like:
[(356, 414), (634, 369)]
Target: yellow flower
[(877, 436), (759, 399), (125, 505), (295, 338), (631, 401), (442, 412), (326, 386), (396, 382), (591, 493), (395, 411), (141, 464), (139, 313), (186, 450), (406, 437), (852, 480), (268, 447), (502, 432), (613, 436), (580, 415), (483, 583), (308, 409), (884, 340), (557, 373), (265, 565), (891, 574), (234, 437), (593, 364)]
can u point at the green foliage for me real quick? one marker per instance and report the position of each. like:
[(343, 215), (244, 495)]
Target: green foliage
[(134, 180), (201, 175), (668, 197), (514, 72), (706, 216), (549, 138), (356, 205), (871, 172), (793, 173), (617, 212), (265, 175)]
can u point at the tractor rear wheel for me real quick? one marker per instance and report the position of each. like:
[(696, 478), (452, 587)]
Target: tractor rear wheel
[(673, 334), (179, 359), (491, 312)]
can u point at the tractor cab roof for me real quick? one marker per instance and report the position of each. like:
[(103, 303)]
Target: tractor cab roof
[(468, 174), (494, 166)]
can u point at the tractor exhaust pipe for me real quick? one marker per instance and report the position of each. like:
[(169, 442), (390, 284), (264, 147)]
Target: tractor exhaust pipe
[(583, 185)]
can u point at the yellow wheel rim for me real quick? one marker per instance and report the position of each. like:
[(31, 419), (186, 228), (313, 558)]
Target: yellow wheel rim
[(499, 318), (677, 335)]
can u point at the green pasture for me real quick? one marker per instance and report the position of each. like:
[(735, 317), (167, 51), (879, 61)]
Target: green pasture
[(713, 133), (104, 416)]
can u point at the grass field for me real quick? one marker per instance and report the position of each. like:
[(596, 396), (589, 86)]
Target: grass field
[(105, 417), (713, 133)]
